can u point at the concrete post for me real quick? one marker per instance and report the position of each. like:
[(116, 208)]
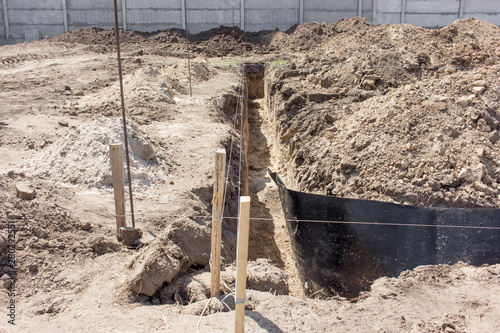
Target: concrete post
[(461, 9), (242, 15), (6, 19), (374, 11), (65, 15), (403, 11), (301, 11), (183, 15), (360, 8), (124, 14)]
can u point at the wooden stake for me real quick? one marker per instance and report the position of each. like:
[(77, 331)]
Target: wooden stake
[(217, 201), (115, 153), (241, 265)]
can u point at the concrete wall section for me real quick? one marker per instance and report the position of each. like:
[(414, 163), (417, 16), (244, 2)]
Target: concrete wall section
[(144, 16), (435, 13), (25, 17), (332, 11), (269, 15), (488, 10), (204, 15), (2, 22), (367, 10), (43, 15), (91, 13)]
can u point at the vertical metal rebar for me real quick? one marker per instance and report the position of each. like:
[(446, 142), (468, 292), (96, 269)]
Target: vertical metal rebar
[(124, 119), (189, 49)]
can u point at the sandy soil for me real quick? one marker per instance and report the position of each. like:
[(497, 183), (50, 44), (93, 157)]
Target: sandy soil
[(60, 106)]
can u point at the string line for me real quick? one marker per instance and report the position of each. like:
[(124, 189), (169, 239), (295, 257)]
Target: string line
[(346, 222)]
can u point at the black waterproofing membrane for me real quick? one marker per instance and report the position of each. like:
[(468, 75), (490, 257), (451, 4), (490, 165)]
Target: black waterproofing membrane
[(340, 258)]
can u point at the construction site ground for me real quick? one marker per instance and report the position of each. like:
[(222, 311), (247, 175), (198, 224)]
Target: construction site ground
[(394, 113)]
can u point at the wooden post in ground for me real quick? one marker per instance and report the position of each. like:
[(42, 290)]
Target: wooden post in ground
[(241, 265), (115, 153), (217, 207)]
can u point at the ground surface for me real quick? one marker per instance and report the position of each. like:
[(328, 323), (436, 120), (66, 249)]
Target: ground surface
[(350, 110)]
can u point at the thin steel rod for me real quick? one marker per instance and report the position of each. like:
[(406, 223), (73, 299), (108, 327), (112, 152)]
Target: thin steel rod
[(124, 118), (189, 49)]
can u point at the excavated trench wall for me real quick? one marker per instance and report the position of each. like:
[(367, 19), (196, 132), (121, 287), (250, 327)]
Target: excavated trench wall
[(340, 258)]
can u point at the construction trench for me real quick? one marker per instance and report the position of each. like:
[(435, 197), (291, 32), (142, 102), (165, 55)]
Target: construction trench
[(344, 259), (368, 124)]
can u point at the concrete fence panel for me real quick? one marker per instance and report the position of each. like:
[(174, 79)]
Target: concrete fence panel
[(319, 11), (2, 22), (268, 15), (52, 17), (488, 10), (431, 13), (204, 15), (35, 19), (90, 13)]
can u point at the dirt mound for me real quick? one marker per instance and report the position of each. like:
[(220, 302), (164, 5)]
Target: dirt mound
[(82, 156), (184, 243), (195, 286), (216, 42), (148, 95), (49, 241), (201, 70), (384, 116)]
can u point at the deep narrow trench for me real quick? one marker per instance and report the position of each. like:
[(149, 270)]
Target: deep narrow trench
[(268, 236)]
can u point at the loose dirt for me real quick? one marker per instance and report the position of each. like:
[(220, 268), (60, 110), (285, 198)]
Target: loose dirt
[(394, 113)]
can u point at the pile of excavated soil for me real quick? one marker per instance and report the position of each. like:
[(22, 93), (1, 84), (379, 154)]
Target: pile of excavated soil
[(147, 92), (82, 156), (50, 240), (201, 70), (222, 41), (394, 113)]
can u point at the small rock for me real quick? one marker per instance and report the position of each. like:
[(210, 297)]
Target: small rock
[(326, 83), (474, 115), (368, 84), (63, 123), (486, 179), (391, 113), (67, 88), (87, 226), (472, 175), (435, 185), (484, 188), (439, 98), (449, 181), (477, 90), (14, 216), (362, 143), (419, 181), (404, 165), (25, 191), (6, 281), (492, 122), (128, 235), (483, 126), (466, 100), (494, 137), (9, 205), (479, 83), (33, 267)]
